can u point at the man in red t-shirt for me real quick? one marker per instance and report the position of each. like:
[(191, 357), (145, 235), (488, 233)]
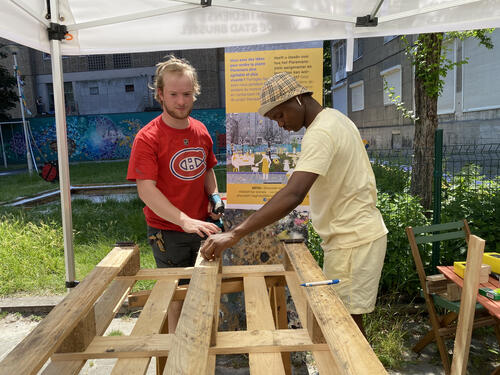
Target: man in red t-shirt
[(172, 163)]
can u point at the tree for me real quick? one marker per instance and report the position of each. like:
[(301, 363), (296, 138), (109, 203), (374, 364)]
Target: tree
[(428, 55), (8, 97), (327, 73)]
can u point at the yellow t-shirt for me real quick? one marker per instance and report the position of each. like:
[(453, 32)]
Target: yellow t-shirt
[(343, 197)]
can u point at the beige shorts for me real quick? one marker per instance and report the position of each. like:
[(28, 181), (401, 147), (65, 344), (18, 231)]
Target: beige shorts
[(359, 270)]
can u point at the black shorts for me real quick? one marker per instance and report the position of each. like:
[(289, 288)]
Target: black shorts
[(174, 249)]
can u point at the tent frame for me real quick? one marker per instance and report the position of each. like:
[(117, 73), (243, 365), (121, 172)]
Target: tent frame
[(55, 38)]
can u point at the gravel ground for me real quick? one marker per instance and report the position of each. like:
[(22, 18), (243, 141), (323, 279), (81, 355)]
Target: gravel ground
[(482, 360)]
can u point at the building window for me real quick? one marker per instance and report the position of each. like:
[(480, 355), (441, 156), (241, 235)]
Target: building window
[(340, 72), (46, 56), (122, 61), (96, 62), (357, 96), (358, 49), (388, 38), (391, 80), (129, 88), (69, 98), (94, 90)]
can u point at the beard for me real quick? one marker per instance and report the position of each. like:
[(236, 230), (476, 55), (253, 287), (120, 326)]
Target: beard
[(179, 114)]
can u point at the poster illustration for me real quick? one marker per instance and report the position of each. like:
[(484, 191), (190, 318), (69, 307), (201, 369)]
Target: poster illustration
[(260, 155)]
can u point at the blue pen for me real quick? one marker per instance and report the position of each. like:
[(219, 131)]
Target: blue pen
[(325, 282)]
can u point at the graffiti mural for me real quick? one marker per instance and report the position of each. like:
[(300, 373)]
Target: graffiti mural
[(94, 137)]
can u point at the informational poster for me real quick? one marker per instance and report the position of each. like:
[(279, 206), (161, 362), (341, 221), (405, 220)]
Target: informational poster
[(260, 155)]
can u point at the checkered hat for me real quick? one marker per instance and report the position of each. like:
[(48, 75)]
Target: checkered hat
[(278, 89)]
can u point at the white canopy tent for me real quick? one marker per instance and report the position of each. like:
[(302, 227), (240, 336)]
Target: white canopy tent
[(117, 26)]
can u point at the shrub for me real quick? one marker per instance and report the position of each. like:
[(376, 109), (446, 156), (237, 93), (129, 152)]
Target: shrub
[(399, 274), (470, 195), (399, 211)]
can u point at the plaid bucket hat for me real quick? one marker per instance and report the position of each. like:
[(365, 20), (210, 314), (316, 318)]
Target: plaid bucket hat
[(278, 89)]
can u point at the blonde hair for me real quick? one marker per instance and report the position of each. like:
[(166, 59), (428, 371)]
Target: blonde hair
[(175, 65)]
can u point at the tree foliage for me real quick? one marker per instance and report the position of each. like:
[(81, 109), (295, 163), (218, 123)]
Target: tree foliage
[(428, 55), (327, 73), (8, 96)]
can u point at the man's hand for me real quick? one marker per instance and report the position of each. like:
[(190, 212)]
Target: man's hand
[(216, 244), (201, 228), (210, 212)]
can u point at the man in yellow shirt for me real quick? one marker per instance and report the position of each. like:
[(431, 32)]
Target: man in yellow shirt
[(334, 168)]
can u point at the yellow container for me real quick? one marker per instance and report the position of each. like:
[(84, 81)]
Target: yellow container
[(459, 268), (493, 259)]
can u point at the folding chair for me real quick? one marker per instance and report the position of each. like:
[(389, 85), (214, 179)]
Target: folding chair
[(442, 325)]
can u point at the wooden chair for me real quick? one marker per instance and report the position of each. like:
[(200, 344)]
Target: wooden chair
[(445, 324)]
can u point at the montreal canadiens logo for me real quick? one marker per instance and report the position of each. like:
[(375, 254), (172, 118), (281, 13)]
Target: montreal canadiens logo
[(189, 163)]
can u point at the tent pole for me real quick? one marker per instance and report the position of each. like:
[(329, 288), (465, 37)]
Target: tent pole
[(62, 148)]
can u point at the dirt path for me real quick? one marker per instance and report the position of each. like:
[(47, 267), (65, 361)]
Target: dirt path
[(484, 352)]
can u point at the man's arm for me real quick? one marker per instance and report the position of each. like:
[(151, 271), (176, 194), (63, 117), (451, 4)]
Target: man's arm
[(282, 203), (156, 201), (211, 182), (211, 188)]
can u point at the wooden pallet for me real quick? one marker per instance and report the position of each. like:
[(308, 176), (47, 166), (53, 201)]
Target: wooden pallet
[(72, 332)]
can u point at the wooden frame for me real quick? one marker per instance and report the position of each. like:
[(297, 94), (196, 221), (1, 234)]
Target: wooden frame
[(72, 332)]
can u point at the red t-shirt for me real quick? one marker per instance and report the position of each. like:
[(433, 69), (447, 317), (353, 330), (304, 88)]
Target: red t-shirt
[(177, 159)]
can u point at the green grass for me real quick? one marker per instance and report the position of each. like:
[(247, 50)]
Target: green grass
[(32, 249), (115, 332), (386, 333), (25, 185)]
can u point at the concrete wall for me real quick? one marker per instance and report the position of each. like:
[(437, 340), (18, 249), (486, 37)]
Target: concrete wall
[(112, 98), (384, 127)]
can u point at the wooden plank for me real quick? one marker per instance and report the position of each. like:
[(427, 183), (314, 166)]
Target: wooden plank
[(215, 324), (123, 347), (190, 352), (438, 227), (440, 237), (151, 320), (260, 316), (186, 272), (105, 309), (324, 360), (232, 342), (30, 355), (349, 348), (138, 299), (475, 252), (279, 308), (81, 336)]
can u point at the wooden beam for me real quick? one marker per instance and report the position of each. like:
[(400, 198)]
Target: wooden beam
[(81, 336), (190, 352), (227, 272), (233, 342), (151, 320), (349, 348), (260, 316), (105, 309), (138, 299), (124, 347), (31, 354), (324, 360), (279, 308), (475, 252)]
